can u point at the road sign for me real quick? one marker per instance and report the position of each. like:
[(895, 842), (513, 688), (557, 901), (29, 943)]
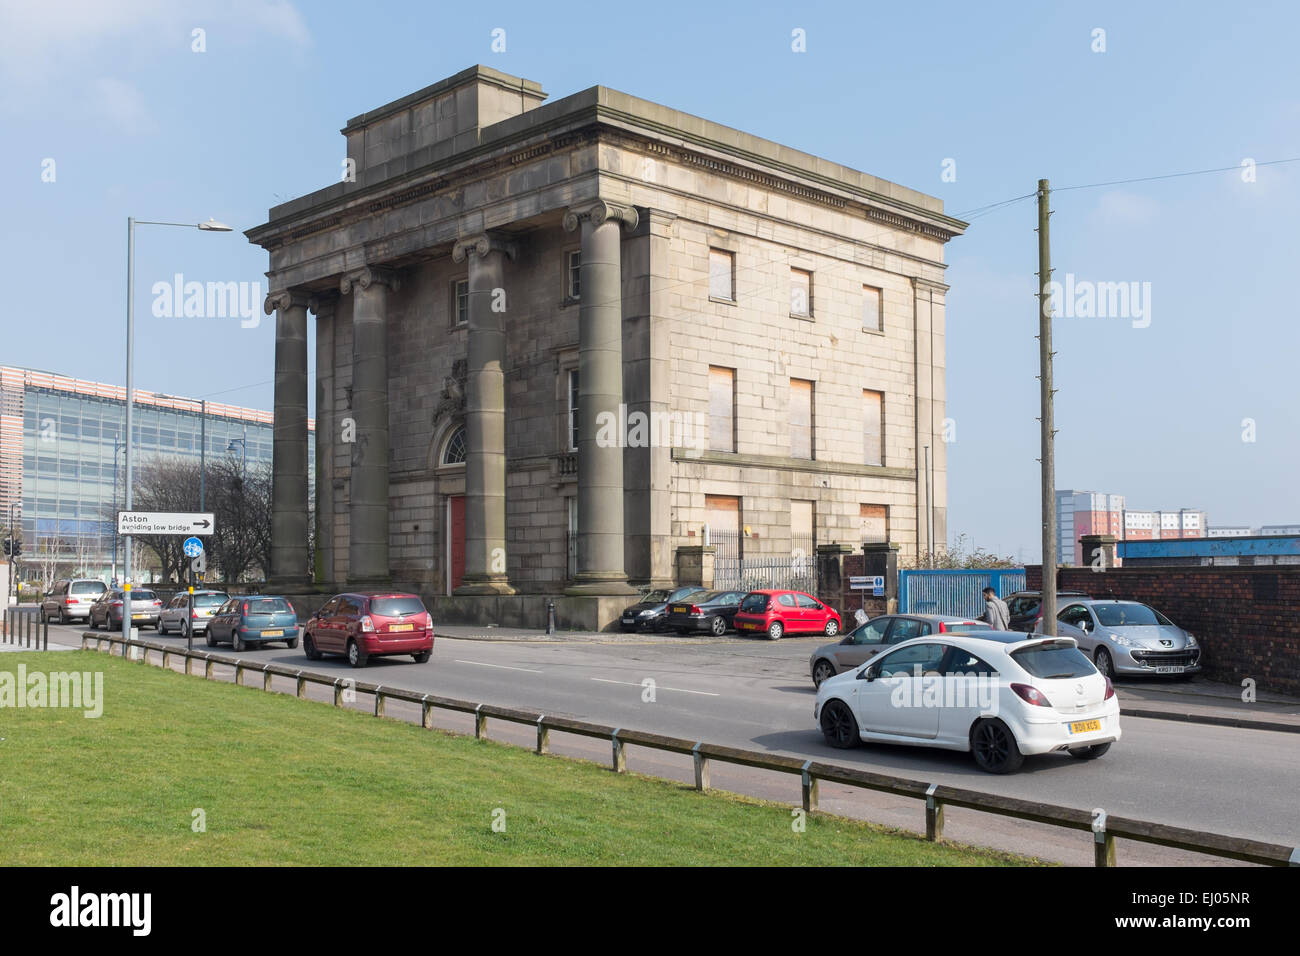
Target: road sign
[(199, 563), (874, 584), (164, 522), (193, 547)]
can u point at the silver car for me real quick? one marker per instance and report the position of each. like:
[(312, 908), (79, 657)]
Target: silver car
[(869, 638), (176, 616), (1125, 637)]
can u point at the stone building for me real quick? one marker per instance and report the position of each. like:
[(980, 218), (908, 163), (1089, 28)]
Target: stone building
[(555, 341)]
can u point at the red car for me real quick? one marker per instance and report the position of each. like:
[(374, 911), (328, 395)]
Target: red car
[(777, 613), (362, 626)]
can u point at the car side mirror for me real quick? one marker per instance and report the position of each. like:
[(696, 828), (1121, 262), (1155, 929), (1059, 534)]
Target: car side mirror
[(867, 673)]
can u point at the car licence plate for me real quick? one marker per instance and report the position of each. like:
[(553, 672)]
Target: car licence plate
[(681, 609), (747, 626), (136, 617), (401, 627), (1085, 726), (275, 633), (627, 620), (1170, 669)]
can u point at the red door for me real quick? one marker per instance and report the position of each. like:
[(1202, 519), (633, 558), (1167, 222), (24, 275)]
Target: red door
[(456, 539)]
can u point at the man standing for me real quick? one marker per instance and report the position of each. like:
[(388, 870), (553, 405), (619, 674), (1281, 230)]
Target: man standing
[(996, 613)]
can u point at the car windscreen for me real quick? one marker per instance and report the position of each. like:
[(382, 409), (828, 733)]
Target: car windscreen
[(143, 596), (207, 600), (1126, 614), (1053, 662), (754, 603), (655, 597), (88, 587), (393, 607), (960, 626), (265, 605)]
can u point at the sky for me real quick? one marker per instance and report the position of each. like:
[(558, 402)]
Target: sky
[(1187, 399)]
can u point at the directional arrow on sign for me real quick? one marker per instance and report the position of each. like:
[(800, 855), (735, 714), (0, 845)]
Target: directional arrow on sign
[(205, 523)]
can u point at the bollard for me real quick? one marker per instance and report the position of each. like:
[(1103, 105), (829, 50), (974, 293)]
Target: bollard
[(809, 788), (550, 618), (701, 767), (543, 736), (933, 815), (45, 636)]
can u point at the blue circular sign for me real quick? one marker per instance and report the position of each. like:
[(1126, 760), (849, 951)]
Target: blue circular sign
[(193, 547)]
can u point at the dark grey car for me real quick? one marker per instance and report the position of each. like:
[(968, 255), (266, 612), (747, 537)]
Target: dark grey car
[(869, 638)]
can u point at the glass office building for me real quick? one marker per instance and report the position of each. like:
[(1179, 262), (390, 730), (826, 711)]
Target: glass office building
[(62, 461)]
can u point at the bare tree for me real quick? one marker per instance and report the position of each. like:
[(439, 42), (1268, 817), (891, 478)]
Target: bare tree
[(167, 484)]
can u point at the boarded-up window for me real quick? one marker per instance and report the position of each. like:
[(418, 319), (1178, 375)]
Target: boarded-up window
[(800, 293), (722, 409), (801, 524), (873, 315), (722, 515), (801, 418), (873, 427), (722, 277), (874, 522)]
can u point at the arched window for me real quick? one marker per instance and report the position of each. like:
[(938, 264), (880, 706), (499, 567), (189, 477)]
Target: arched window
[(453, 453)]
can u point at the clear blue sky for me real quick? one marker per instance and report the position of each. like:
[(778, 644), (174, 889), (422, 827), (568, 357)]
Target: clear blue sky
[(138, 124)]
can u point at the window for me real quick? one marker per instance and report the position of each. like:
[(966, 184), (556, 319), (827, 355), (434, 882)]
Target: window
[(873, 522), (906, 662), (801, 293), (802, 524), (873, 309), (722, 275), (453, 453), (808, 602), (785, 600), (572, 274), (460, 302), (873, 632), (573, 409), (873, 427), (801, 418), (722, 515), (965, 664), (722, 409), (906, 628)]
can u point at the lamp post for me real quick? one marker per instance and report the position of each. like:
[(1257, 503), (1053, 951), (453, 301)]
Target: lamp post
[(118, 445), (210, 226), (243, 454)]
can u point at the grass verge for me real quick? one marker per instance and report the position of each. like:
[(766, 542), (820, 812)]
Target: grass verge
[(284, 781)]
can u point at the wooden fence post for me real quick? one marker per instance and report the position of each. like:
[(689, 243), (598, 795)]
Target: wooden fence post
[(207, 668), (189, 664), (543, 736), (701, 767), (809, 788), (480, 723), (338, 693), (933, 815), (426, 713), (266, 678), (301, 689), (620, 753), (1103, 844), (379, 701)]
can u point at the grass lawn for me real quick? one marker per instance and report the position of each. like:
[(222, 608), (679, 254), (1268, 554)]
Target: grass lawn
[(284, 781)]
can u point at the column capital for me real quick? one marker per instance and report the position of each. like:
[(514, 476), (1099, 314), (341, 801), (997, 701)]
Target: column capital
[(323, 302), (284, 299), (367, 276), (599, 211), (481, 244)]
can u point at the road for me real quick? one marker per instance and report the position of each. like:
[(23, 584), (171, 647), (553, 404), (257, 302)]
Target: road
[(758, 695)]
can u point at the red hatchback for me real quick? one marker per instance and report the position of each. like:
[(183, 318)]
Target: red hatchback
[(362, 626), (777, 613)]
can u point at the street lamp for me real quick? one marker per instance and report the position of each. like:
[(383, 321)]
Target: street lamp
[(118, 445), (210, 226), (243, 454), (203, 438)]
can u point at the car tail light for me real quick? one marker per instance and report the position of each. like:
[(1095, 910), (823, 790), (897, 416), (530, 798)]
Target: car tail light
[(695, 609), (194, 613), (1110, 689), (428, 621), (1031, 695), (117, 604), (157, 603), (70, 600), (943, 627), (367, 624), (245, 607)]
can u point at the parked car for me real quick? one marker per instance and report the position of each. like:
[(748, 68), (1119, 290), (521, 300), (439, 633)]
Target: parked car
[(777, 613), (712, 611), (1125, 637), (178, 616), (107, 610), (70, 599), (1000, 695), (253, 619), (650, 613), (1026, 608), (362, 626), (871, 637)]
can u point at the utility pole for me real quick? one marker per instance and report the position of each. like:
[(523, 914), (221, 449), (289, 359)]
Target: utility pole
[(1048, 459)]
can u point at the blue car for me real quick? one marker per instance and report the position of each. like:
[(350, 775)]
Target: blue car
[(253, 619)]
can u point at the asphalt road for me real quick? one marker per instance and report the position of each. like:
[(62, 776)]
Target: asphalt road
[(759, 696)]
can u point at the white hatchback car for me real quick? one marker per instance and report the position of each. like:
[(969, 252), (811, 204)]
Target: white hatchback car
[(1002, 696)]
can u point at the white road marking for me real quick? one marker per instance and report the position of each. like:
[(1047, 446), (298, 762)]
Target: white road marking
[(502, 666), (680, 690)]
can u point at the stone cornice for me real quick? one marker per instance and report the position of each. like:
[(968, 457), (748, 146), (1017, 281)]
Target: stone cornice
[(481, 245), (598, 212), (781, 463), (368, 276)]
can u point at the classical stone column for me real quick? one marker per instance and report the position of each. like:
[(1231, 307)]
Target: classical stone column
[(289, 448), (485, 416), (368, 501), (327, 434), (601, 568)]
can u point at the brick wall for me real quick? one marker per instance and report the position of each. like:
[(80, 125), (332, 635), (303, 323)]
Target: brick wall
[(1246, 619)]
